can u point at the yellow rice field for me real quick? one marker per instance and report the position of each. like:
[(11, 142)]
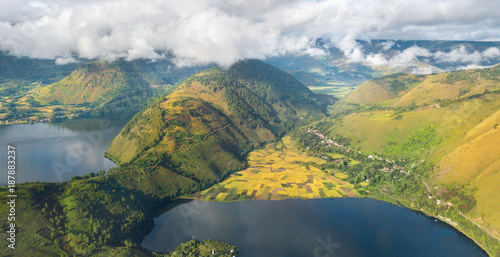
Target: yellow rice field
[(279, 171)]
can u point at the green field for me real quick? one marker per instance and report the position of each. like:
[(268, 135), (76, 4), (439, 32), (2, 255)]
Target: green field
[(338, 91)]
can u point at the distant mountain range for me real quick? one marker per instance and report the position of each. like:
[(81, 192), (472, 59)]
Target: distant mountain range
[(385, 57), (106, 84)]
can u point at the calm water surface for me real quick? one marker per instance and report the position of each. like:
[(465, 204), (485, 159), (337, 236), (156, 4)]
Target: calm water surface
[(319, 227), (56, 152)]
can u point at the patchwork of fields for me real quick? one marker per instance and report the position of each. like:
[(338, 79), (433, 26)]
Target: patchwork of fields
[(279, 171)]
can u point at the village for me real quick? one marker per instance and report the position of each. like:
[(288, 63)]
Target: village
[(387, 169), (330, 142), (38, 119)]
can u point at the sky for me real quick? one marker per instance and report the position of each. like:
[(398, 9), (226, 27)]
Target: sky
[(225, 31)]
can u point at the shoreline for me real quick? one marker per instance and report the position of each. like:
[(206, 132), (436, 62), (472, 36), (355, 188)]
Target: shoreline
[(361, 197)]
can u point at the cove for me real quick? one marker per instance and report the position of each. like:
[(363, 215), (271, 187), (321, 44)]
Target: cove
[(318, 227), (55, 152)]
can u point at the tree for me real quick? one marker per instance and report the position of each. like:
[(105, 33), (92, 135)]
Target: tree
[(129, 243)]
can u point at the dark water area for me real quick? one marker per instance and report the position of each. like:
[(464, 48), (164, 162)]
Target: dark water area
[(55, 152), (319, 227)]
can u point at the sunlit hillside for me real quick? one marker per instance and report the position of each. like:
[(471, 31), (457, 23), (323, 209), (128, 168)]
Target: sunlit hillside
[(448, 120)]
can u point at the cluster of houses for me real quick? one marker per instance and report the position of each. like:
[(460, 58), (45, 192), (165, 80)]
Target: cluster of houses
[(330, 142), (389, 169), (439, 202), (325, 140), (395, 168), (45, 120), (25, 120)]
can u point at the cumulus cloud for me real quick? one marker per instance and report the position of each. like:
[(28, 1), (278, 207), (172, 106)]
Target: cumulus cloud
[(224, 31), (387, 45), (462, 55), (409, 56)]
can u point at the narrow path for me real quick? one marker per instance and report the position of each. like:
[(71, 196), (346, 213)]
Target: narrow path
[(205, 137), (485, 230), (215, 129), (279, 156), (392, 198), (427, 186)]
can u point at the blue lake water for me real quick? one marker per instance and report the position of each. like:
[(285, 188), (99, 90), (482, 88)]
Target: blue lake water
[(54, 152), (319, 227)]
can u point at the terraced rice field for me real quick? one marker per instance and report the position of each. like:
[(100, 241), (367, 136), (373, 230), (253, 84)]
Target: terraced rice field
[(279, 171)]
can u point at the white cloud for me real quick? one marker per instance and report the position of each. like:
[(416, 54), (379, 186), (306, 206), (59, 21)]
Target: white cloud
[(65, 60), (223, 31), (492, 52), (458, 55), (387, 45), (423, 70), (409, 56), (462, 55)]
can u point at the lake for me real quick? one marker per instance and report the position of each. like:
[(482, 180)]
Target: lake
[(54, 152), (319, 227)]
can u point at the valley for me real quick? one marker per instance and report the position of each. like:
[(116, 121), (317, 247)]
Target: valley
[(251, 131)]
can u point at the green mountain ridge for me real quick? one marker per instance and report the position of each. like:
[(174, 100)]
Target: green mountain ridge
[(399, 90), (206, 125)]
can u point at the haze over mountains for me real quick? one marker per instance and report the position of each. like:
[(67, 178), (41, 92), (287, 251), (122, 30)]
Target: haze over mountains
[(375, 58), (328, 66)]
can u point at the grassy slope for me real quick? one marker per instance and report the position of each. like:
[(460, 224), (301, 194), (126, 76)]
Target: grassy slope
[(99, 82), (404, 89), (369, 92), (476, 163), (461, 106)]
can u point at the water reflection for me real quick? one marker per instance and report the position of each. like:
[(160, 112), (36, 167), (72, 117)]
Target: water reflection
[(321, 227), (56, 152)]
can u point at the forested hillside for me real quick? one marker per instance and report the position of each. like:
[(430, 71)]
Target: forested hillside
[(202, 130)]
